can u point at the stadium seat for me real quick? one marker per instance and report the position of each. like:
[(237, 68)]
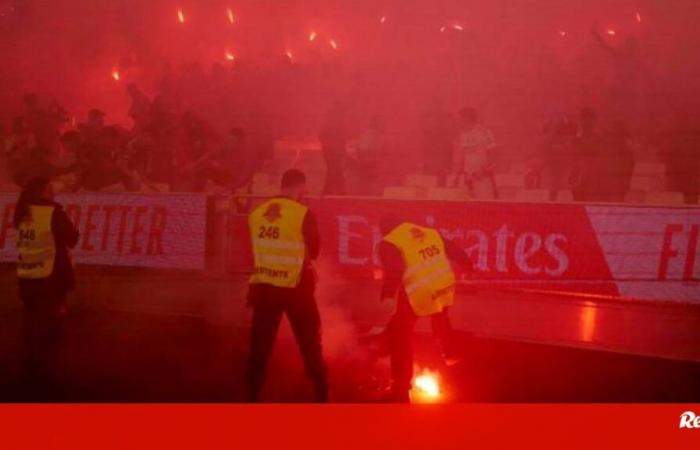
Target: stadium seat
[(265, 189), (655, 169), (153, 187), (260, 177), (507, 192), (418, 180), (519, 168), (634, 196), (565, 196), (532, 195), (510, 180), (645, 183), (402, 192), (664, 198), (453, 194)]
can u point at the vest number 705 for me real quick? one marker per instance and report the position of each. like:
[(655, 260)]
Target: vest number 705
[(429, 252)]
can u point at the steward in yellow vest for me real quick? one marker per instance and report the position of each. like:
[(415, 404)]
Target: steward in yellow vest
[(418, 275), (45, 276), (285, 239)]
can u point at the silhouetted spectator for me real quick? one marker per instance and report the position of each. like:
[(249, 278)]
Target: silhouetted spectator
[(333, 141), (438, 130), (681, 154)]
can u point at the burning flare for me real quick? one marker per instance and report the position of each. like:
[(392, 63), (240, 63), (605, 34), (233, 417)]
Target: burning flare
[(426, 387), (229, 56), (312, 36), (180, 15), (611, 32), (231, 17), (333, 44), (115, 75)]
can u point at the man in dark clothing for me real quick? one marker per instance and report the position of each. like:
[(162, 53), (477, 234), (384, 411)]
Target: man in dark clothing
[(681, 154), (285, 240), (46, 276), (439, 132), (397, 285), (333, 139)]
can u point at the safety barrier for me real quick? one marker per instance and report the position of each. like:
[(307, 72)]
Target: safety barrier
[(628, 252), (609, 251)]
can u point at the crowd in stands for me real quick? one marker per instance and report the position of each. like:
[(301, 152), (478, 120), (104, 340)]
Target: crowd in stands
[(171, 148)]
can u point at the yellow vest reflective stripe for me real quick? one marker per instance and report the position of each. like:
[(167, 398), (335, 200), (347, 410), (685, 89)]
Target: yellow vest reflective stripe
[(35, 244), (276, 230), (428, 277)]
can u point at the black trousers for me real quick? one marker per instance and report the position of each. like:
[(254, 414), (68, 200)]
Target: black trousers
[(269, 303), (400, 332), (42, 322)]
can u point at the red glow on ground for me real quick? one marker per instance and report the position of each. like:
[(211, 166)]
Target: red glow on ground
[(290, 55), (611, 32), (638, 16), (458, 27), (563, 33), (383, 19)]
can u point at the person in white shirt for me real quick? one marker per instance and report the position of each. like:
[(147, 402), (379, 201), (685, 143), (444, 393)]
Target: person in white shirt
[(474, 156)]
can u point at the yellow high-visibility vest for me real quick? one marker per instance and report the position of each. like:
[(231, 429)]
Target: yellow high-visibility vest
[(428, 277), (35, 244), (279, 250)]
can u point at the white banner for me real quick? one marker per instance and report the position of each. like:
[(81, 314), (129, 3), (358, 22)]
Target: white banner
[(141, 230)]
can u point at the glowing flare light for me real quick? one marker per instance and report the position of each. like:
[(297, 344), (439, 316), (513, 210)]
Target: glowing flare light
[(231, 17), (180, 15), (312, 36), (230, 56), (426, 388), (611, 32), (638, 16), (382, 19), (333, 44), (115, 75)]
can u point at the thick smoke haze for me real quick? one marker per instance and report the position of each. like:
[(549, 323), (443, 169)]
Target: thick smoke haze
[(516, 61)]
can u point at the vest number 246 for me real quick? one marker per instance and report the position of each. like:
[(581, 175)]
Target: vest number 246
[(269, 233), (429, 252)]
